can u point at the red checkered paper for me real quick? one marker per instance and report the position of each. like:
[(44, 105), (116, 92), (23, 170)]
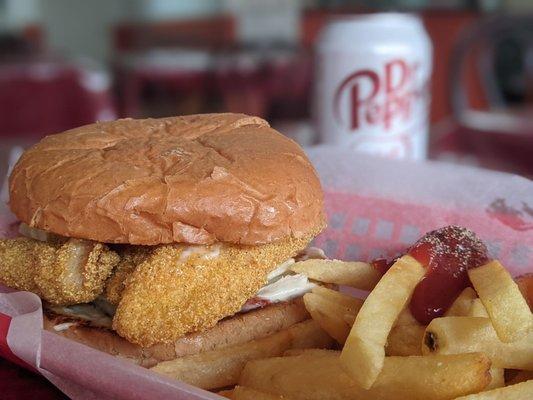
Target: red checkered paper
[(378, 208)]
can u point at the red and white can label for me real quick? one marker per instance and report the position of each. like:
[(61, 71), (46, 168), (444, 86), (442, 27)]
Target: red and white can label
[(374, 97)]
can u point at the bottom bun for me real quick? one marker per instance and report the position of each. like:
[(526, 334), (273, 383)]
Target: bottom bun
[(234, 330)]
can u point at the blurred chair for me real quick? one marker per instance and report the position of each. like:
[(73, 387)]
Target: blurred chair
[(39, 97), (24, 43), (210, 32), (165, 68), (499, 135), (159, 83), (272, 81)]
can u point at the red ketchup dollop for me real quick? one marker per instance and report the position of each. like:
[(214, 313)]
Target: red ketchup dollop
[(447, 253), (382, 265)]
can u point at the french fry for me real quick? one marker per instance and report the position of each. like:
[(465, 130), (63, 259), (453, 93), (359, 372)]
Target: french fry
[(334, 311), (330, 316), (477, 309), (454, 335), (462, 304), (221, 368), (364, 352), (356, 274), (311, 352), (353, 303), (314, 376), (507, 308), (406, 318), (525, 284), (228, 394), (405, 340), (497, 378), (520, 391), (245, 393)]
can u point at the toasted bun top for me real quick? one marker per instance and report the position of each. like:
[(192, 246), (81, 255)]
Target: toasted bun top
[(192, 179)]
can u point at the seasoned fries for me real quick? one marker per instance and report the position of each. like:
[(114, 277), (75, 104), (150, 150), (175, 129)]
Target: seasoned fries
[(507, 308), (228, 394), (335, 312), (481, 349), (359, 275), (364, 352), (455, 335), (477, 309), (352, 303), (497, 378), (244, 393), (405, 340), (319, 375), (220, 368), (525, 284), (330, 316), (520, 391), (462, 304)]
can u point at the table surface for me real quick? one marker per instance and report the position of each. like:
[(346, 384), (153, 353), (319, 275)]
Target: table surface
[(20, 384)]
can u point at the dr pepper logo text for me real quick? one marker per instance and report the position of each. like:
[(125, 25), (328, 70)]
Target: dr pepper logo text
[(379, 98)]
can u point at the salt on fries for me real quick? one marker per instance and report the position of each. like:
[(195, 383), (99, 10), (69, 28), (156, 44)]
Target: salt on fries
[(363, 354)]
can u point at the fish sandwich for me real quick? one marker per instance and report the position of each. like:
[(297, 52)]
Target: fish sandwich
[(153, 239)]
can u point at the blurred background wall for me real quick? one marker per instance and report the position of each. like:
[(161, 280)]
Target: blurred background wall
[(64, 63)]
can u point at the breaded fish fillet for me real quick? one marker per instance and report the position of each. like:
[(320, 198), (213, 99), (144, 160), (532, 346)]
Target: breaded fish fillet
[(20, 262), (168, 295), (130, 258), (65, 273)]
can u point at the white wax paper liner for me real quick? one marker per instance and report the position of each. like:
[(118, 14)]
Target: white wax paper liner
[(380, 207), (79, 371), (375, 208)]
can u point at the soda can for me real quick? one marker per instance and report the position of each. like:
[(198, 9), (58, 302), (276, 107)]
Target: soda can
[(371, 84)]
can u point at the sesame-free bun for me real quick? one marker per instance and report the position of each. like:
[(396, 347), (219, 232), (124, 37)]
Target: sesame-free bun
[(235, 330), (194, 179)]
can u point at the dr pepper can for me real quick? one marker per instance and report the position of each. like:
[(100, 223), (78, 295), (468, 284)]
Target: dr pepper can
[(371, 86)]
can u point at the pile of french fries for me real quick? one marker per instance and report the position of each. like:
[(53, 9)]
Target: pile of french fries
[(482, 348)]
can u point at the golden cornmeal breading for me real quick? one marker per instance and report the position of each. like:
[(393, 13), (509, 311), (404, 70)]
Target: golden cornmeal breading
[(20, 262), (78, 272), (130, 257), (165, 298), (61, 273)]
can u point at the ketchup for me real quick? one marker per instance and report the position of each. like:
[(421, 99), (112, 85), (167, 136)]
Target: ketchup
[(382, 265), (447, 253)]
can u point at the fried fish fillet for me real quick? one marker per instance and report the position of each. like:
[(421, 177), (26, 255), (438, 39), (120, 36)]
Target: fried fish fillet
[(130, 258), (69, 272), (20, 262), (169, 295)]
